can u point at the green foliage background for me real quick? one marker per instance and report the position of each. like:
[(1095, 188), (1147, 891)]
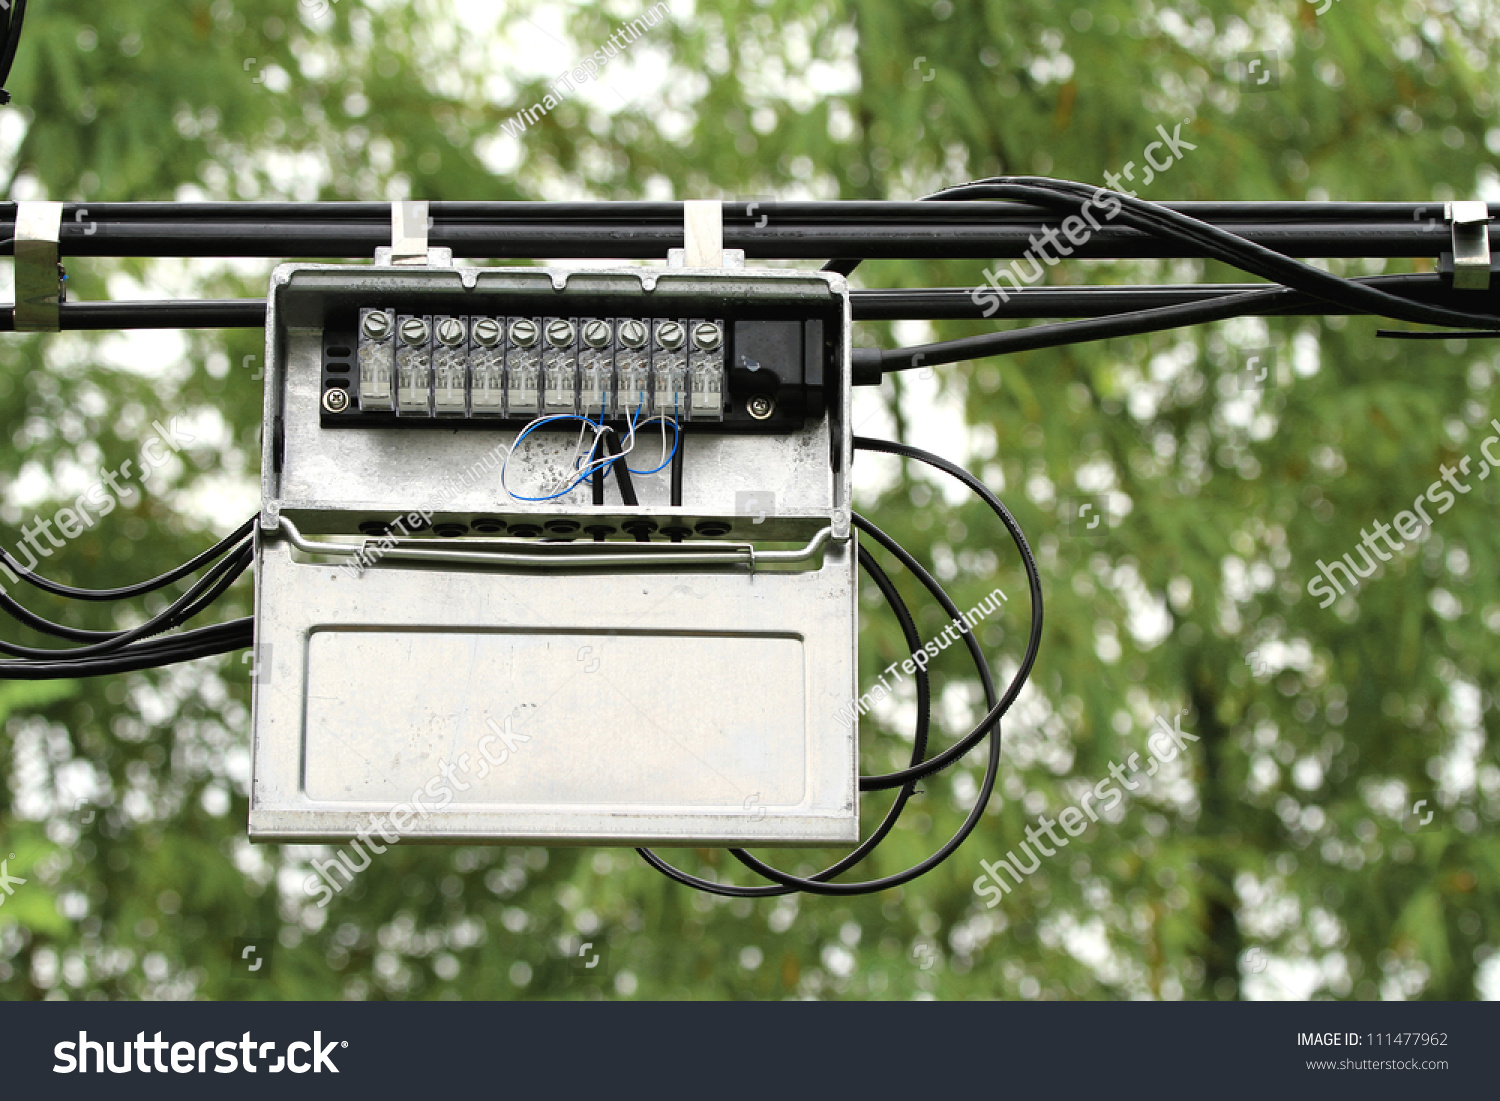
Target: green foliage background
[(1281, 860)]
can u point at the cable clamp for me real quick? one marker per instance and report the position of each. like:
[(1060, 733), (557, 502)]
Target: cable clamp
[(703, 238), (39, 275), (1471, 244), (409, 225)]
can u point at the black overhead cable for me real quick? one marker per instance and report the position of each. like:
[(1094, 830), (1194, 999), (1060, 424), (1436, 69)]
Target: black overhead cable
[(805, 230), (923, 303)]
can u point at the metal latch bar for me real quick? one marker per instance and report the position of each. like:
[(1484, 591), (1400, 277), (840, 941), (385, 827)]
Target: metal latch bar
[(558, 555)]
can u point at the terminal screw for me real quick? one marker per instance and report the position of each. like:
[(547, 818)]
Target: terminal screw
[(377, 325), (670, 335), (560, 333), (487, 332), (523, 333), (414, 331), (760, 407), (707, 337), (335, 400), (596, 334), (633, 334), (450, 331)]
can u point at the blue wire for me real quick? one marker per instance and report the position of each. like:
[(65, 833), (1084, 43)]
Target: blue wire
[(676, 442), (533, 426), (590, 464)]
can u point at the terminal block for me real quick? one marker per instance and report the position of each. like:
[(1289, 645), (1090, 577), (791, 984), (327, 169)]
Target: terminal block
[(745, 369)]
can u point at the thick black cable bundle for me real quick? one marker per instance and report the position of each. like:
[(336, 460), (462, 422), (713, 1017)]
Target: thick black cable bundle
[(906, 780), (144, 646), (1070, 197)]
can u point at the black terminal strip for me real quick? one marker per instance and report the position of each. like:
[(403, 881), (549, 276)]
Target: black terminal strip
[(387, 367)]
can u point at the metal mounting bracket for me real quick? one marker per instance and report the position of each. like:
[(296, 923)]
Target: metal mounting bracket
[(1471, 244), (703, 238), (38, 274), (409, 248)]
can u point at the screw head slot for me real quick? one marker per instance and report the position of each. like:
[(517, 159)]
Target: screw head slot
[(414, 331), (524, 333), (450, 332), (335, 400), (377, 325), (707, 337), (560, 333), (760, 407), (670, 335), (596, 334), (633, 334), (486, 332)]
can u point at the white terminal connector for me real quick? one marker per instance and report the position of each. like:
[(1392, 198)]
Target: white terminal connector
[(596, 368), (377, 360), (450, 355), (559, 366), (669, 368), (487, 367), (413, 365), (633, 367), (523, 368), (706, 370)]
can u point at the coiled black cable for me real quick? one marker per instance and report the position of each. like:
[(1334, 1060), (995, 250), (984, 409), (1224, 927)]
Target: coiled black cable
[(818, 883), (919, 750), (1033, 580)]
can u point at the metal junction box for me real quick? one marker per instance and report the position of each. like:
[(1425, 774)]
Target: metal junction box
[(464, 661)]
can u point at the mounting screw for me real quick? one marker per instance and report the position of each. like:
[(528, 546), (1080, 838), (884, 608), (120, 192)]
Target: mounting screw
[(707, 337), (760, 407), (377, 325), (523, 333), (335, 400), (633, 334), (487, 332), (450, 331), (560, 333), (596, 334), (670, 335), (414, 331)]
